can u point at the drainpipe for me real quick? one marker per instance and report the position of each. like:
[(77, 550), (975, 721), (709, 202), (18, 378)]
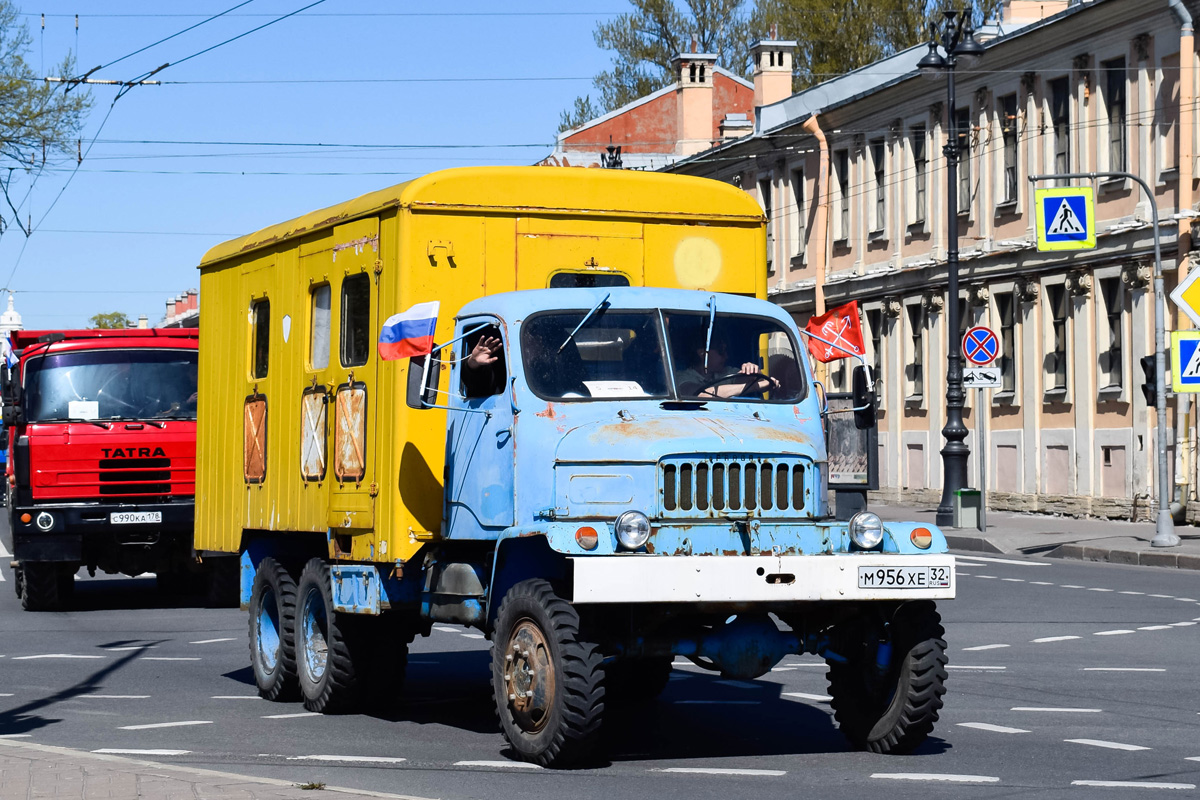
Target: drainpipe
[(820, 253), (1187, 100)]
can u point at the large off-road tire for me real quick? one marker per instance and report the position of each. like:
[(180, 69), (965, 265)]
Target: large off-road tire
[(330, 651), (548, 682), (893, 708), (272, 631), (636, 680), (46, 585)]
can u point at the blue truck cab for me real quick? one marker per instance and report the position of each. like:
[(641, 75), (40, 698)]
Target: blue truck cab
[(638, 474)]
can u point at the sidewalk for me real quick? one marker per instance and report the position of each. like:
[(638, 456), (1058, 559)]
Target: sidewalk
[(34, 770), (1062, 537)]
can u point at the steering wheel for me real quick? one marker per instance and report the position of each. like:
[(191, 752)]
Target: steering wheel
[(758, 386)]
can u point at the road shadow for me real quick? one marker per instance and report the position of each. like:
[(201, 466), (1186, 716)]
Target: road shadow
[(26, 718), (128, 594)]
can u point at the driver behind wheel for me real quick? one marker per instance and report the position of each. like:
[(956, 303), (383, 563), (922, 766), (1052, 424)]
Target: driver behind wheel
[(719, 379)]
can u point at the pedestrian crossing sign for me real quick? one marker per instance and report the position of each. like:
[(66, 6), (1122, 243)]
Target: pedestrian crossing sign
[(1066, 218), (1185, 361)]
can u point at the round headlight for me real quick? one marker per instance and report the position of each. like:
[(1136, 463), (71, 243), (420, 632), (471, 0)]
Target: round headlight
[(633, 529), (866, 530), (45, 521)]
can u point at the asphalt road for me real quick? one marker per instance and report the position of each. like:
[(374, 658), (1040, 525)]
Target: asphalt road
[(1064, 676)]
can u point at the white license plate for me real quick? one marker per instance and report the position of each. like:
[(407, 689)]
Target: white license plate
[(134, 517), (903, 577)]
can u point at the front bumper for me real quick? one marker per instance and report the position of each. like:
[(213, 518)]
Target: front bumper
[(635, 578), (82, 530)]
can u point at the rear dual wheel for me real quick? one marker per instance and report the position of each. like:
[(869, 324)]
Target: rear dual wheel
[(46, 585), (272, 631)]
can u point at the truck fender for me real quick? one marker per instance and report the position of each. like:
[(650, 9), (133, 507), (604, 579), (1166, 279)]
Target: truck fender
[(519, 558)]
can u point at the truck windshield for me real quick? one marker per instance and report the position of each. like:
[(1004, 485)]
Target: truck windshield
[(111, 384), (748, 358), (619, 355)]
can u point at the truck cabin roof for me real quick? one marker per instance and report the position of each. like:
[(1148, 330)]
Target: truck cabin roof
[(511, 306), (93, 338)]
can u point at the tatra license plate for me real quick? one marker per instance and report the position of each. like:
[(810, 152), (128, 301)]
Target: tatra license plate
[(134, 517), (903, 577)]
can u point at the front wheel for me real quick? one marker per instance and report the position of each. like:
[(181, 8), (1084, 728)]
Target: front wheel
[(887, 695), (548, 683), (45, 585)]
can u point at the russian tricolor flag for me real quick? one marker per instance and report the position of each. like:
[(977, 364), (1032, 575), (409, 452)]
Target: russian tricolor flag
[(409, 333)]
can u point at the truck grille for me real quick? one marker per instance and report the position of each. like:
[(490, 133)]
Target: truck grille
[(135, 476), (732, 484)]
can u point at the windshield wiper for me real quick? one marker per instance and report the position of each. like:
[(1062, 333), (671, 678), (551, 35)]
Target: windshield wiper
[(106, 425), (584, 321), (712, 315)]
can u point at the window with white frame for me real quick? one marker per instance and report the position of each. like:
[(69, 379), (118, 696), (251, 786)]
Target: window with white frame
[(962, 133), (914, 355), (764, 199), (875, 324), (800, 219), (1006, 310), (1110, 329), (841, 174), (1055, 366), (1114, 106), (920, 173), (879, 185), (1060, 122), (1008, 138), (1166, 110)]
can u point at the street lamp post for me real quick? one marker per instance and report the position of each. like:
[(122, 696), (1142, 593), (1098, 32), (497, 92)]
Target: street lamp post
[(956, 38)]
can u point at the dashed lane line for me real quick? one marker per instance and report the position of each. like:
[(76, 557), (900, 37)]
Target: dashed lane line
[(1072, 586), (472, 635), (297, 715), (762, 773), (1134, 785), (117, 751), (15, 735), (1186, 599), (984, 559), (1155, 628), (169, 658), (182, 724), (1041, 583), (1182, 624), (1163, 596), (986, 577), (52, 655), (1124, 669), (1098, 589), (1118, 632), (935, 776), (214, 641), (1107, 745), (817, 698), (1013, 580), (973, 667), (113, 696), (1192, 758), (445, 629), (6, 694), (235, 697), (984, 726), (1137, 593), (125, 649), (984, 647), (1046, 639), (500, 764), (350, 759), (1063, 710)]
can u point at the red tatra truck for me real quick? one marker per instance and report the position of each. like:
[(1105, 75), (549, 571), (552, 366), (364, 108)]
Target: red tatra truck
[(102, 462)]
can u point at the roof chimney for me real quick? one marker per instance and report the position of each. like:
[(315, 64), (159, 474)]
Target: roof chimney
[(693, 101), (772, 69)]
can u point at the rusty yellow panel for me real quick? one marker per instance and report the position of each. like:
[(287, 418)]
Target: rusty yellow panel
[(541, 255), (565, 226)]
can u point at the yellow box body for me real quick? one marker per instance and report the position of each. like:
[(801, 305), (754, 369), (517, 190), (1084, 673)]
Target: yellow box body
[(450, 236)]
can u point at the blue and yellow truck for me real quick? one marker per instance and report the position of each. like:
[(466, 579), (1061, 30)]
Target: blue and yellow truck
[(614, 456)]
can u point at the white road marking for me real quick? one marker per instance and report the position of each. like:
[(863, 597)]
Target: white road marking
[(124, 649), (1182, 624), (1192, 758), (984, 647), (235, 697), (114, 751), (819, 698), (1071, 586), (516, 764), (973, 559), (1099, 589), (972, 666), (1134, 785), (445, 629), (15, 735), (1041, 583), (1186, 599), (214, 641), (769, 773), (1058, 710), (1118, 632), (1124, 669), (473, 635), (352, 759), (1138, 593), (1045, 639), (51, 655), (168, 658), (115, 696), (984, 726), (717, 702), (1107, 745), (1155, 628), (293, 716), (986, 577), (1164, 596), (165, 725), (1013, 580), (5, 694), (3, 552), (782, 669), (934, 776)]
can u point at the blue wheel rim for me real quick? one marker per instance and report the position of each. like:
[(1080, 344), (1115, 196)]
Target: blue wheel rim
[(316, 646), (267, 630)]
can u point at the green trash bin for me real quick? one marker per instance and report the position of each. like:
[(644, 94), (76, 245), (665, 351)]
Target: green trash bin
[(966, 508)]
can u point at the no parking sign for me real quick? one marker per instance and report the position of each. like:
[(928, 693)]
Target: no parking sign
[(980, 346)]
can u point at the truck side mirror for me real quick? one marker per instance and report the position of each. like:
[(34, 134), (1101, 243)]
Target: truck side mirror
[(864, 399), (423, 375)]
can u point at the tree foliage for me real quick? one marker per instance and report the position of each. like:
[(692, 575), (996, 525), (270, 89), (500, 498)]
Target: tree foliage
[(645, 40), (109, 320), (39, 121)]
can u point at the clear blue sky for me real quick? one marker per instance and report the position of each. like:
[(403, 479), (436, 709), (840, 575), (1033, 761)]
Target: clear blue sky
[(135, 219)]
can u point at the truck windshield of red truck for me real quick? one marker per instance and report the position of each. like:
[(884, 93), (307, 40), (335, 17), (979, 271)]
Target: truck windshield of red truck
[(111, 384)]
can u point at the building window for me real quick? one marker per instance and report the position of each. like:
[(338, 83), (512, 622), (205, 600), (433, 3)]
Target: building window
[(841, 167), (962, 133), (1114, 103), (1111, 351), (1006, 310), (1060, 120), (1008, 134), (262, 337), (764, 199), (356, 320), (879, 164), (1056, 358), (920, 173), (875, 323), (915, 357), (799, 228)]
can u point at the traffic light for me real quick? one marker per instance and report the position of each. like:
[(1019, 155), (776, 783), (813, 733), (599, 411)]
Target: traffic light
[(1150, 385)]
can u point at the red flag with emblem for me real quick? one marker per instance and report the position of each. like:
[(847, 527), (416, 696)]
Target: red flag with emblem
[(836, 334)]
